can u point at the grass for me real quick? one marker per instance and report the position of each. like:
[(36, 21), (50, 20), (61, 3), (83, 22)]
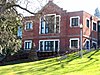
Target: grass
[(72, 65)]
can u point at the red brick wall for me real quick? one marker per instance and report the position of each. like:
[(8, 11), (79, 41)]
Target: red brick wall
[(66, 32)]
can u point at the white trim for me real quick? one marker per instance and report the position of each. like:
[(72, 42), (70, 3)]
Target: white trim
[(86, 22), (49, 15), (73, 39), (50, 40), (40, 25), (59, 21), (78, 21), (96, 25), (54, 22), (94, 42), (26, 23), (89, 24), (27, 41), (86, 36)]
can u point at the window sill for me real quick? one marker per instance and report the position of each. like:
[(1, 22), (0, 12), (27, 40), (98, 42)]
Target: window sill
[(28, 29), (74, 26)]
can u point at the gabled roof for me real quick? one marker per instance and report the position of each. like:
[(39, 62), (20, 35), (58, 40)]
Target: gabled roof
[(53, 5)]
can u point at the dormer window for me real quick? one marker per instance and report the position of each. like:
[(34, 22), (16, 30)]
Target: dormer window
[(29, 26)]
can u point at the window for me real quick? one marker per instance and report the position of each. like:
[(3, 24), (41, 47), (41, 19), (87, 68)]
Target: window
[(74, 43), (49, 45), (28, 45), (98, 26), (94, 26), (94, 44), (88, 22), (19, 32), (28, 25), (50, 24), (74, 21)]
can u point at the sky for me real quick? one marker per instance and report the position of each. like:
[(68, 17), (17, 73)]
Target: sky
[(69, 5)]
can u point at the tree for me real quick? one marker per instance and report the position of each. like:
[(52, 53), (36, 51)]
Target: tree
[(10, 19), (8, 28), (9, 22), (97, 13)]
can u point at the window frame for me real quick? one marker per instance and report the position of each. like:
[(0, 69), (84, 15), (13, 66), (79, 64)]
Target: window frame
[(54, 23), (86, 22), (25, 45), (78, 21), (71, 44), (92, 25), (26, 25), (54, 40)]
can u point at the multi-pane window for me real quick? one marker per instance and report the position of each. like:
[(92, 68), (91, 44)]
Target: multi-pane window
[(74, 43), (28, 25), (28, 45), (49, 45), (94, 26), (74, 21), (50, 24), (87, 23)]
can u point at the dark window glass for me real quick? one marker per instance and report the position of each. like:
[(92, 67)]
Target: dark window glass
[(87, 23), (74, 22), (27, 45), (56, 45), (29, 25), (94, 26), (74, 43), (41, 45), (49, 45)]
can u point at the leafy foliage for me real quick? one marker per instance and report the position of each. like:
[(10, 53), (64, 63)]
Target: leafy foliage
[(8, 30)]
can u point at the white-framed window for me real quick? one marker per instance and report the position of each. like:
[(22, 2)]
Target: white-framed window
[(27, 44), (74, 43), (88, 22), (94, 25), (28, 25), (50, 23), (74, 21), (94, 44), (49, 45)]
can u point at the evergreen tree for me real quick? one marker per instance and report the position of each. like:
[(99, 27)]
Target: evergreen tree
[(97, 13)]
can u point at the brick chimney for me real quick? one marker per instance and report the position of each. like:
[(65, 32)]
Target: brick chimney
[(50, 0)]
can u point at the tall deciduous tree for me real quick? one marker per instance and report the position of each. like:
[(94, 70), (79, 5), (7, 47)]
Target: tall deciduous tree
[(9, 21)]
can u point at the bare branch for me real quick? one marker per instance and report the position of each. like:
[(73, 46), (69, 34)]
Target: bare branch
[(15, 5)]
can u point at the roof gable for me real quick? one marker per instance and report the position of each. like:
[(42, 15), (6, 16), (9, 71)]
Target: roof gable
[(51, 7)]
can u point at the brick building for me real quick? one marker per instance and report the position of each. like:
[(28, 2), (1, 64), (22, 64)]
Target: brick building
[(58, 30)]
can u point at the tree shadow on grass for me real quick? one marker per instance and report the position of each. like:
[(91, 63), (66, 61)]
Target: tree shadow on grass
[(93, 54)]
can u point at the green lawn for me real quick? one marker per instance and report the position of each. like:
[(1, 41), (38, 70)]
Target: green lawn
[(72, 65)]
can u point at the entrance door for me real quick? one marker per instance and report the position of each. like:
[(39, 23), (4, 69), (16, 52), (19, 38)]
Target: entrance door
[(87, 45)]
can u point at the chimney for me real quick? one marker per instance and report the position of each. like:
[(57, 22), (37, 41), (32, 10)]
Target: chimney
[(50, 0)]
